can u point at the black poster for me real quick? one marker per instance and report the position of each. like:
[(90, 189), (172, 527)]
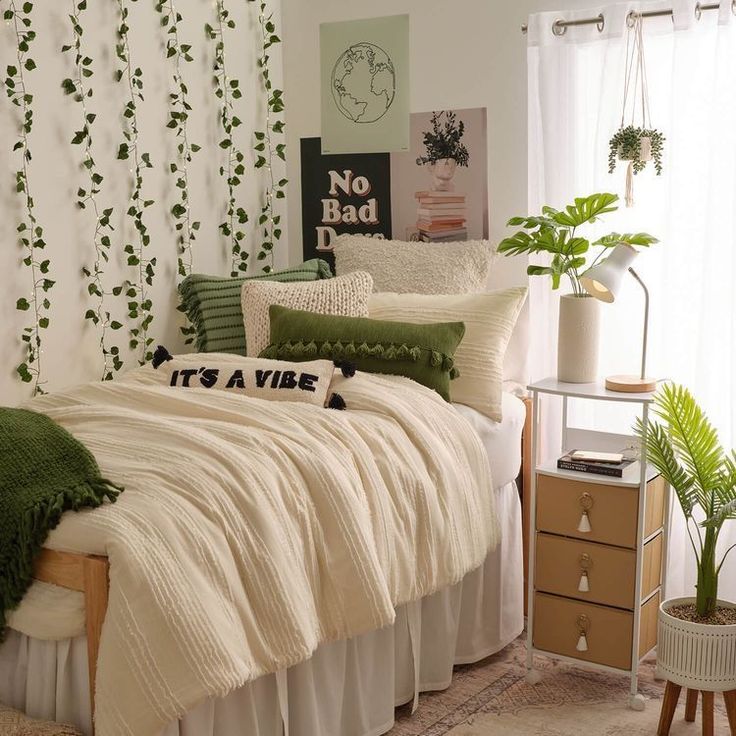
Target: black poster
[(342, 193)]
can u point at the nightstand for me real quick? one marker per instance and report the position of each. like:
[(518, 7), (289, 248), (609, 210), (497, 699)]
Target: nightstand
[(598, 546)]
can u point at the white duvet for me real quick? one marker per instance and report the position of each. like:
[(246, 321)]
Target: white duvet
[(252, 531)]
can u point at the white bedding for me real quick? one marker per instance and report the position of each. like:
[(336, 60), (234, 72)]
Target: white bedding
[(251, 532)]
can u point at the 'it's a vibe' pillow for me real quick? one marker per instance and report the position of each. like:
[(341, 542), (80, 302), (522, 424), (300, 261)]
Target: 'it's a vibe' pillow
[(261, 378)]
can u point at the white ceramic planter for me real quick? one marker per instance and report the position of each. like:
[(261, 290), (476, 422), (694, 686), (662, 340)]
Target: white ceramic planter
[(696, 656), (443, 172), (577, 339)]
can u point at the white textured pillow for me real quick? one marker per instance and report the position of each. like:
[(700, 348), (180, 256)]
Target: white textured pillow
[(346, 296), (416, 268), (489, 321)]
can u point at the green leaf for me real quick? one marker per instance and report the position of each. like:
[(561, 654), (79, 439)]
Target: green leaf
[(613, 239), (22, 305), (586, 209)]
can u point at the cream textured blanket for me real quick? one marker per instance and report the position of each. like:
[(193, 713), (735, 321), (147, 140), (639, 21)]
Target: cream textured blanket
[(251, 531)]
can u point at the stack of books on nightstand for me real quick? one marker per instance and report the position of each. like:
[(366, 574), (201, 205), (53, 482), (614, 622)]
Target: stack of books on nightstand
[(441, 216), (601, 463)]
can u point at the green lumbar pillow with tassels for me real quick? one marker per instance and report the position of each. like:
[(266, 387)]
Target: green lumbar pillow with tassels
[(44, 472), (423, 352)]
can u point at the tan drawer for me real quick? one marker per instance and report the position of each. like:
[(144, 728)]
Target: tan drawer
[(648, 625), (609, 630), (613, 510), (611, 570)]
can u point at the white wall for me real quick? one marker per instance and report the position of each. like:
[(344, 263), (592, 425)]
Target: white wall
[(464, 53), (70, 350)]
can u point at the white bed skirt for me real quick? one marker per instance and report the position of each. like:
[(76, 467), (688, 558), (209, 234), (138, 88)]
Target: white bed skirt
[(348, 688)]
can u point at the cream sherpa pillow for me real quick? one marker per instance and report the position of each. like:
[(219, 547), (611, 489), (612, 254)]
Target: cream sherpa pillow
[(416, 268), (489, 321), (346, 296)]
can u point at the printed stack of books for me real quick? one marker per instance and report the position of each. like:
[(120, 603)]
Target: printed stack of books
[(441, 216), (601, 463)]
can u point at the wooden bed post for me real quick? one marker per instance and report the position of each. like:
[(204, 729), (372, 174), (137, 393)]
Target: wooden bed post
[(526, 484), (88, 574)]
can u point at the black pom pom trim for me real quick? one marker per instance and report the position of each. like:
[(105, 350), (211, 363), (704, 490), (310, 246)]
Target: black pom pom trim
[(348, 369), (336, 402), (161, 355)]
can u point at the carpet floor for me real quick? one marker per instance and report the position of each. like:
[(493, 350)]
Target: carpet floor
[(492, 698)]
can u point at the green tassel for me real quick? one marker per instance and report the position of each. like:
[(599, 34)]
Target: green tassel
[(454, 373), (326, 349), (270, 352), (390, 352), (403, 352), (435, 359), (415, 353), (310, 349), (363, 350), (447, 363), (350, 350), (338, 350), (377, 350)]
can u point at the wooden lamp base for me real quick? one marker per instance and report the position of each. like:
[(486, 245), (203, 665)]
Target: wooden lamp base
[(630, 384)]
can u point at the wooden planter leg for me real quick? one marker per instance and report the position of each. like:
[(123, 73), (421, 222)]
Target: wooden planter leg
[(691, 705), (730, 698), (669, 705), (708, 698)]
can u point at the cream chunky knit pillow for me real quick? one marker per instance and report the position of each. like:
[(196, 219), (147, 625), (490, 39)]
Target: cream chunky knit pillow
[(489, 321), (416, 268), (346, 296)]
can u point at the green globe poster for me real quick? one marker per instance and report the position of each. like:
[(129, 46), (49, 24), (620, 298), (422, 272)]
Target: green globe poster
[(365, 85)]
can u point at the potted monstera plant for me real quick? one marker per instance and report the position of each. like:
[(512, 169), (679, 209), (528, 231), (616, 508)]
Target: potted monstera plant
[(558, 234), (697, 635), (444, 149)]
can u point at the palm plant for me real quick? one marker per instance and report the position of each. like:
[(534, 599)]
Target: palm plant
[(686, 451), (557, 233)]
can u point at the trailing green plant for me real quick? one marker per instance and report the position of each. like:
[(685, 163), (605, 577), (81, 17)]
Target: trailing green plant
[(444, 140), (136, 291), (30, 232), (266, 147), (556, 233), (684, 448), (179, 108), (79, 87), (625, 145), (228, 89)]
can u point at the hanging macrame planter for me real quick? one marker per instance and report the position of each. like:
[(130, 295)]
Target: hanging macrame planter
[(635, 145)]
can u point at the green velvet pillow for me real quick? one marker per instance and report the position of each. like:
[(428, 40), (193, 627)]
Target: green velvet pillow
[(421, 352), (212, 304)]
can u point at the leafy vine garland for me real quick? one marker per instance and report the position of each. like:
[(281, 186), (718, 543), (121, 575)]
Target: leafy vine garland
[(267, 149), (179, 108), (226, 90), (139, 302), (30, 232), (87, 196)]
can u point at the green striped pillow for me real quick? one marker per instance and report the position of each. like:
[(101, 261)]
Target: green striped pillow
[(212, 304)]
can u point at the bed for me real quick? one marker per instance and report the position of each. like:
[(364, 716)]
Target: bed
[(347, 687)]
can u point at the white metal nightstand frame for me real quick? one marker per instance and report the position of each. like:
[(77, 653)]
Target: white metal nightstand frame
[(596, 392)]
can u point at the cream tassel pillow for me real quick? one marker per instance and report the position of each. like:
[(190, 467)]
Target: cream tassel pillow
[(345, 296)]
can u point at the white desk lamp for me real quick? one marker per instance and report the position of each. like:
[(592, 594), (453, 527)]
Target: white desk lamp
[(603, 281)]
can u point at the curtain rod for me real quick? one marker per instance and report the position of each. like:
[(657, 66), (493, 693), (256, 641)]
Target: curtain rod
[(560, 26)]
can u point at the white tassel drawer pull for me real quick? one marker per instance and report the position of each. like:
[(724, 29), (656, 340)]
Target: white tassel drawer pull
[(586, 562), (583, 623), (586, 503)]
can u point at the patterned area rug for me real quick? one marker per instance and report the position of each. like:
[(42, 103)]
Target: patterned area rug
[(13, 723), (493, 698)]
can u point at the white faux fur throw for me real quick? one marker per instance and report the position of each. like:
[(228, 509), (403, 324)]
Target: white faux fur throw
[(251, 531)]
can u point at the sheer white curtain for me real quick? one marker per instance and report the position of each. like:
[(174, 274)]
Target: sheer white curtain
[(575, 94)]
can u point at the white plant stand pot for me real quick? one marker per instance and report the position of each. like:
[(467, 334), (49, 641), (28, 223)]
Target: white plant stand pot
[(696, 656), (577, 339), (443, 171)]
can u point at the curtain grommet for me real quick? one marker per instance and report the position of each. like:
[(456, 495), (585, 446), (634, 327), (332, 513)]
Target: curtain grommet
[(559, 28), (698, 11), (631, 18), (601, 24), (733, 6)]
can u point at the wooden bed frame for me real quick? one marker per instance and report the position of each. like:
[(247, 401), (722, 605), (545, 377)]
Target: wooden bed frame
[(90, 574)]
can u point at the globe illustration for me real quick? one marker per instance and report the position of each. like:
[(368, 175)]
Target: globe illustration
[(363, 83)]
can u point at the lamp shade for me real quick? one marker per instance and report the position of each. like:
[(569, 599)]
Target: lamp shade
[(603, 281)]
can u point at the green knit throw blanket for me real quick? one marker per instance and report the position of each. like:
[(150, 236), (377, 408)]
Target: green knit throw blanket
[(44, 472)]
